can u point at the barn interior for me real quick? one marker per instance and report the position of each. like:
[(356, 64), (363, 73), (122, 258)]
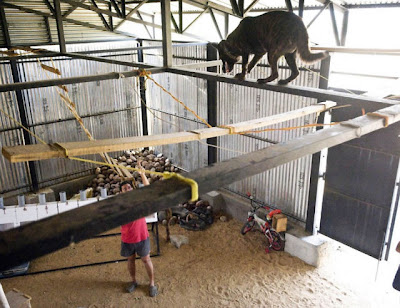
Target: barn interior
[(88, 87)]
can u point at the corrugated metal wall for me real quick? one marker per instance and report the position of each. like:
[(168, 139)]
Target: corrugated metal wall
[(192, 92), (110, 109), (286, 186)]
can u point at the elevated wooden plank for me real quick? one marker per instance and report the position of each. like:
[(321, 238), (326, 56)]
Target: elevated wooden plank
[(65, 149), (39, 238)]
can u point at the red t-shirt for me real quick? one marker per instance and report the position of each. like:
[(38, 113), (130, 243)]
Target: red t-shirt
[(135, 231)]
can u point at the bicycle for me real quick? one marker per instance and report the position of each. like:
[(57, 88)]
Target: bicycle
[(274, 239)]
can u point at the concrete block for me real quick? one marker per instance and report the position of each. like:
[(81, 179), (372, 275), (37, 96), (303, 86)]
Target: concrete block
[(215, 199), (310, 249)]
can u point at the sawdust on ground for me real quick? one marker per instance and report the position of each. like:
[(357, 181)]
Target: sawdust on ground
[(218, 268)]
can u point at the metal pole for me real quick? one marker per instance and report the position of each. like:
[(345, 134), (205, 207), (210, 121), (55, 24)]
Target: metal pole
[(60, 27), (345, 23), (301, 8), (166, 32), (143, 94), (20, 101), (212, 109), (334, 24)]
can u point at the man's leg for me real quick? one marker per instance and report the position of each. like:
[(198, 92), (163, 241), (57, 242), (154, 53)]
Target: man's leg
[(132, 273), (149, 268), (153, 291)]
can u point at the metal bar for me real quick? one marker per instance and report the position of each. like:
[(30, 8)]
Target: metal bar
[(72, 8), (201, 14), (42, 237), (319, 13), (345, 23), (123, 8), (48, 30), (250, 7), (147, 30), (72, 80), (334, 24), (289, 5), (301, 8), (51, 8), (241, 7), (180, 16), (133, 11), (60, 27), (103, 20), (177, 29), (20, 100), (142, 83), (212, 109), (116, 8), (289, 89), (166, 32), (235, 7), (204, 4), (226, 27), (216, 24)]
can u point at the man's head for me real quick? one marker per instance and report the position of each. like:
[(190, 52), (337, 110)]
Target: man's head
[(126, 186)]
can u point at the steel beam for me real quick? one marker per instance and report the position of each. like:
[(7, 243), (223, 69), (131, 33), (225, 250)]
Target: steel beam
[(289, 5), (147, 29), (71, 80), (103, 20), (288, 89), (212, 105), (48, 235), (216, 24), (319, 13), (301, 8), (166, 32), (131, 12), (334, 24), (345, 23), (201, 14), (250, 7), (142, 82), (60, 27)]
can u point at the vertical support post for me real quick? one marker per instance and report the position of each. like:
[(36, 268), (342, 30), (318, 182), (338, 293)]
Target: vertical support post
[(226, 25), (289, 5), (143, 94), (212, 104), (180, 17), (324, 72), (334, 23), (20, 100), (60, 27), (166, 32), (345, 23), (301, 8), (47, 24), (321, 182)]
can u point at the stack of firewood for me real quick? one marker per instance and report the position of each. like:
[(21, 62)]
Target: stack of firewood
[(110, 178)]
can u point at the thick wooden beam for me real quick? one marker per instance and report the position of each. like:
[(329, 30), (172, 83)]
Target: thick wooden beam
[(57, 150), (39, 238)]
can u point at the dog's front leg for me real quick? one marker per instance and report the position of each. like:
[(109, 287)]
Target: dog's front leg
[(245, 60)]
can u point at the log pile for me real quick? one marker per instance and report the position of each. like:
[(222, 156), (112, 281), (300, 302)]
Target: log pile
[(109, 178)]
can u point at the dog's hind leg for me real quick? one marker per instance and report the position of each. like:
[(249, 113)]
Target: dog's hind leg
[(273, 62), (245, 60), (291, 61)]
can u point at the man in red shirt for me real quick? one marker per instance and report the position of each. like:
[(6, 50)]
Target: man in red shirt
[(135, 240)]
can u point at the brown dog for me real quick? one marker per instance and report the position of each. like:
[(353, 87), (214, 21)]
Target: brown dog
[(279, 33)]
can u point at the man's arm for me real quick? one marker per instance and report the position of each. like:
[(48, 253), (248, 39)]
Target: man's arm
[(145, 180)]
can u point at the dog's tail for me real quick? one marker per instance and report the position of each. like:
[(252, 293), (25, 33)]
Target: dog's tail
[(304, 50)]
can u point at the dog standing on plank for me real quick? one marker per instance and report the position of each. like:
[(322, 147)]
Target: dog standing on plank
[(279, 33)]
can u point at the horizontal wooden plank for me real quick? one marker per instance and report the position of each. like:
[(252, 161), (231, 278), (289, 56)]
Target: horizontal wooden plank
[(64, 149), (39, 238)]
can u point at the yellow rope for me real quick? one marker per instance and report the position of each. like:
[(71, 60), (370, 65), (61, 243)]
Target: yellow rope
[(144, 73), (167, 175), (22, 126)]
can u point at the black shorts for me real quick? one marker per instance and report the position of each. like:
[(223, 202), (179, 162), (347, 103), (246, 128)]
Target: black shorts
[(141, 248)]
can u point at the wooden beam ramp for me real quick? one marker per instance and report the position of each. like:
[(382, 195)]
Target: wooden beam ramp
[(64, 149)]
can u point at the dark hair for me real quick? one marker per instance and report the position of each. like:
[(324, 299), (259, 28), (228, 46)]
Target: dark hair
[(126, 182)]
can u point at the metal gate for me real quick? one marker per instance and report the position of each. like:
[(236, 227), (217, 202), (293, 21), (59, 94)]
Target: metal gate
[(359, 185)]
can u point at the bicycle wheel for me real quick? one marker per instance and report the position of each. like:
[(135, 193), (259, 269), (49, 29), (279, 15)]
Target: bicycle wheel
[(277, 242), (248, 226)]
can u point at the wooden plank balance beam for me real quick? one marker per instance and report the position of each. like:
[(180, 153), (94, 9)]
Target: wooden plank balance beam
[(64, 149), (42, 237)]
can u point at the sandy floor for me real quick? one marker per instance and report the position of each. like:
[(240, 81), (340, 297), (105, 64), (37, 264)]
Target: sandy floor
[(218, 268)]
